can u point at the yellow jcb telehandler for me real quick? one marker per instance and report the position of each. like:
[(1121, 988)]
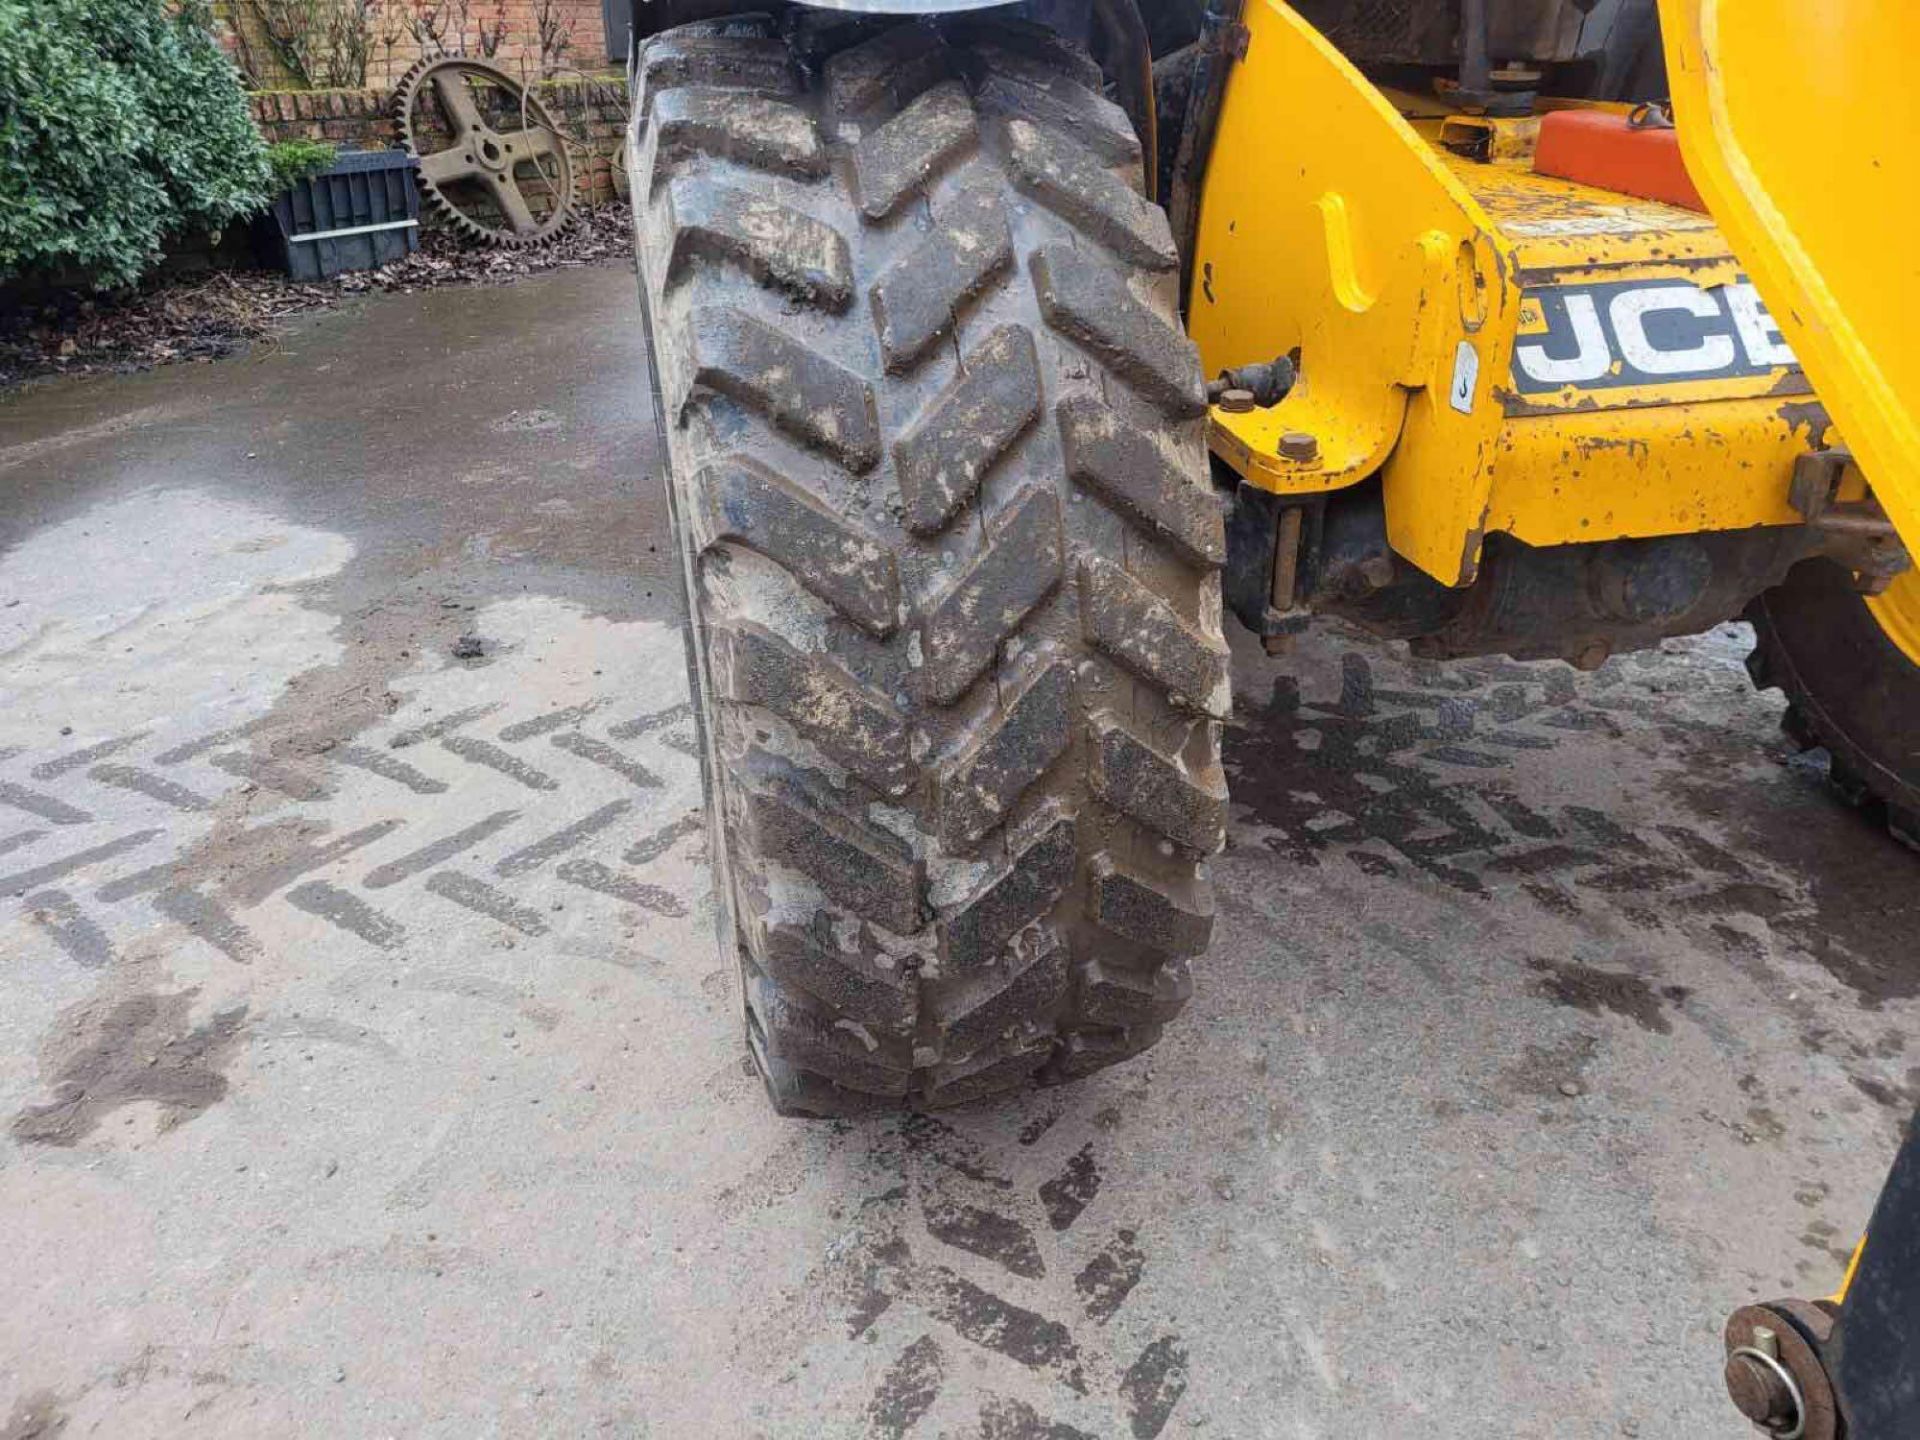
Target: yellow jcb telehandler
[(1001, 350)]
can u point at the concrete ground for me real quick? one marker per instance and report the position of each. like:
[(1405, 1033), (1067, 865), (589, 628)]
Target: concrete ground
[(368, 1068)]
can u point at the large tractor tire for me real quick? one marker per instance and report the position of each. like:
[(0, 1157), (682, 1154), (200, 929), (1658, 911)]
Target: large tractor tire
[(1850, 668), (939, 486)]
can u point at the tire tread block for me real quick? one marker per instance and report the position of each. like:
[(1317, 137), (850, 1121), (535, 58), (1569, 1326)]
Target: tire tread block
[(973, 936), (1085, 1052), (979, 789), (739, 500), (885, 1001), (675, 59), (900, 157), (1161, 793), (1034, 44), (892, 66), (778, 246), (753, 666), (941, 460), (805, 394), (1124, 999), (1030, 990), (1091, 305), (1121, 464), (989, 1072), (1022, 87), (1018, 569), (1148, 913), (837, 1051), (853, 866), (1071, 181), (740, 126), (918, 299), (798, 1094), (1147, 636)]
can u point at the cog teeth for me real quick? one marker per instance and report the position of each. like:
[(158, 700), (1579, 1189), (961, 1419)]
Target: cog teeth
[(565, 194)]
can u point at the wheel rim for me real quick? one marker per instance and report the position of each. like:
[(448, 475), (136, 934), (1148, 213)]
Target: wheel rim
[(1897, 611)]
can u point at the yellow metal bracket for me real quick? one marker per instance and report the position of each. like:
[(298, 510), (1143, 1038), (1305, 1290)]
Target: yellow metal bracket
[(1352, 417), (1328, 226)]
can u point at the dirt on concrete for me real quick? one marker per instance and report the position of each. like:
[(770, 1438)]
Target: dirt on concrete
[(112, 1051)]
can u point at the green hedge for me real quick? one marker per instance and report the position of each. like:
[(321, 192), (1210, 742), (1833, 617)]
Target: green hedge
[(121, 122)]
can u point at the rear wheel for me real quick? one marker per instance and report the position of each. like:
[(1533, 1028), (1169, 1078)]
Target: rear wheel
[(938, 477), (1850, 668)]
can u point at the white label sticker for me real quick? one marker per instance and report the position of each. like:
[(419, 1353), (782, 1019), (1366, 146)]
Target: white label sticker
[(1466, 377)]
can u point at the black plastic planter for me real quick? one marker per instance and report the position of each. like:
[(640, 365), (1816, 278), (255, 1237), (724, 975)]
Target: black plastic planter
[(361, 214)]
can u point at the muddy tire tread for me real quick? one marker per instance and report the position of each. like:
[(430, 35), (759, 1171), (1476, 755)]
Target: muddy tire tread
[(941, 497)]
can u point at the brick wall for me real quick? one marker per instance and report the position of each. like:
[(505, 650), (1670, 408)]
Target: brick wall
[(592, 112), (507, 32)]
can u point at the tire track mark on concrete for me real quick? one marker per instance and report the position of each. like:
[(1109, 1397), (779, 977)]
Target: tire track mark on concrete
[(1072, 1190), (348, 912), (1022, 1335), (258, 883), (154, 787), (601, 753), (1106, 1280), (25, 880), (552, 720), (686, 745), (592, 875), (485, 752), (445, 725), (430, 855), (484, 899), (930, 1137), (213, 741), (77, 759), (41, 807), (986, 1233), (71, 928), (641, 724), (652, 847), (533, 856), (387, 767), (1004, 1418), (206, 918), (19, 840), (1153, 1385), (907, 1390)]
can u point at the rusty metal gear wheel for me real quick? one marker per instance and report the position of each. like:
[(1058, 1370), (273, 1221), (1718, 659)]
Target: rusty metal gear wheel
[(523, 172)]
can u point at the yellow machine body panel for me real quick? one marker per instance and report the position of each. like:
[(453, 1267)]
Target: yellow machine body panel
[(1511, 352), (1800, 124), (1608, 435)]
